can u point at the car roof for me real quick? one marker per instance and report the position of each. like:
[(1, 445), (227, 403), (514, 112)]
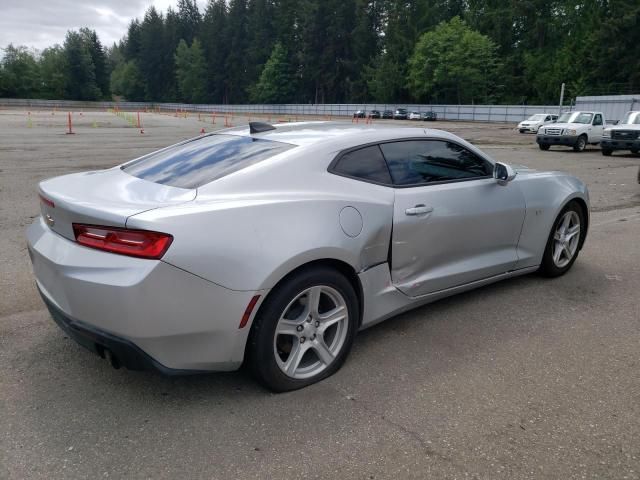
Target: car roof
[(345, 133)]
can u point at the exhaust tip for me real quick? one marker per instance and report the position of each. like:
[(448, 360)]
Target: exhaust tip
[(113, 360)]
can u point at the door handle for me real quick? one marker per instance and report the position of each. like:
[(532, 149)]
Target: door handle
[(418, 210)]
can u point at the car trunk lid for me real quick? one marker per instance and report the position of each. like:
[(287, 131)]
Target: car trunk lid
[(103, 197)]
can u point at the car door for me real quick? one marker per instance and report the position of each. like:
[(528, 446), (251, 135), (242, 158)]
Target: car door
[(452, 222), (596, 129)]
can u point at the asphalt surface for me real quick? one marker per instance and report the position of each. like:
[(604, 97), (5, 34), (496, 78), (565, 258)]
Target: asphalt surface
[(529, 378)]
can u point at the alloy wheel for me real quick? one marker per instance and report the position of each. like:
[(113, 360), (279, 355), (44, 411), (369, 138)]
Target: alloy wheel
[(311, 332), (566, 239)]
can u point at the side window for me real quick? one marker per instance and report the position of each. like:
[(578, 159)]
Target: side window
[(548, 117), (366, 163), (424, 161), (597, 120)]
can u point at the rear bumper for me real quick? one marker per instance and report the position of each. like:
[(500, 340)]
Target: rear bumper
[(566, 140), (153, 314), (610, 144), (120, 351)]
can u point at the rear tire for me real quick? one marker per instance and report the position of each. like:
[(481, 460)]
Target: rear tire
[(293, 342), (635, 151), (581, 144), (544, 146), (564, 242), (607, 152)]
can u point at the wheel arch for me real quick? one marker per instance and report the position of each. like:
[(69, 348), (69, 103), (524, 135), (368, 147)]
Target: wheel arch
[(336, 264), (585, 213), (339, 265)]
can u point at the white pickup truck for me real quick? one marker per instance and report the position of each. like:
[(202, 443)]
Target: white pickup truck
[(623, 136), (573, 129)]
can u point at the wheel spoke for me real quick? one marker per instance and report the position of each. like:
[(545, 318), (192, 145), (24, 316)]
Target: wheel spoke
[(313, 300), (323, 352), (557, 252), (331, 318), (565, 223), (294, 358), (572, 231), (567, 251), (287, 327)]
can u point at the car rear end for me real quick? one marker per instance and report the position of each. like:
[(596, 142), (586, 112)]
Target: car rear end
[(108, 286)]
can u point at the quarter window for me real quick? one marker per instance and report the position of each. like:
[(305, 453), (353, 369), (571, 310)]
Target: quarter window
[(365, 163), (416, 162)]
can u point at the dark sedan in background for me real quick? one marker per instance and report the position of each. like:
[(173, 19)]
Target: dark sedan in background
[(401, 114)]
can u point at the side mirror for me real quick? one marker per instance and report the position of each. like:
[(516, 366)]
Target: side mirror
[(503, 173)]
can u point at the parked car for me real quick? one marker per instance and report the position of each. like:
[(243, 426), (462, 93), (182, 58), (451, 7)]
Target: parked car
[(374, 114), (222, 249), (415, 116), (400, 114), (573, 129), (430, 116), (534, 122), (623, 136), (387, 114), (360, 114)]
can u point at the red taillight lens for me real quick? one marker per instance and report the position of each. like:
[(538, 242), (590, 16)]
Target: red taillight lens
[(135, 243)]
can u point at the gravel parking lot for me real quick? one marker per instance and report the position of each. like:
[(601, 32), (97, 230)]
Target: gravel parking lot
[(530, 378)]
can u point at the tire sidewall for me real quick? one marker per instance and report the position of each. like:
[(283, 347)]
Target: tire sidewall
[(260, 344), (581, 144)]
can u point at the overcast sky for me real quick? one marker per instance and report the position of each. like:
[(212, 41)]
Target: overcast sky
[(42, 23)]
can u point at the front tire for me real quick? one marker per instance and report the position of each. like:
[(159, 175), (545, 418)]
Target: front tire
[(581, 144), (565, 239), (607, 152), (544, 146), (304, 331)]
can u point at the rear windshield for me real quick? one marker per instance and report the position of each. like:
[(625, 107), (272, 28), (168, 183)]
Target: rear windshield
[(203, 160)]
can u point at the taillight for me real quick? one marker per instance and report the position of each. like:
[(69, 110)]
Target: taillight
[(135, 243)]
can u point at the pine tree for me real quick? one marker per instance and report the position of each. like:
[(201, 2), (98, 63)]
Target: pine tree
[(99, 60), (216, 48), (191, 71), (236, 62), (155, 67), (277, 82), (188, 20), (80, 75)]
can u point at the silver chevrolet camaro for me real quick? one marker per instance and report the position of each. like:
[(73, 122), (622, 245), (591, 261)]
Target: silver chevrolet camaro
[(273, 246)]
